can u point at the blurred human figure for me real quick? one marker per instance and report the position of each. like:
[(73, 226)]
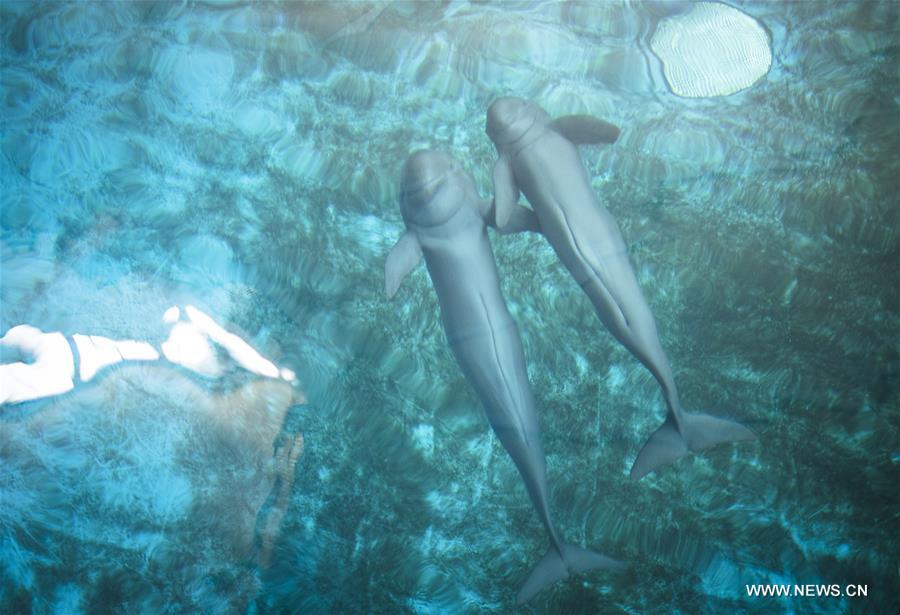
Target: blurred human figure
[(52, 368), (245, 426)]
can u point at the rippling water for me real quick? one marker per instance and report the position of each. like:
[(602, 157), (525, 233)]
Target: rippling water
[(244, 158)]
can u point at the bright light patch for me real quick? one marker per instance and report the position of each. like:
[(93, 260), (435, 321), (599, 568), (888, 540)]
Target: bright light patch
[(189, 348), (49, 374), (711, 50), (136, 351), (240, 351), (172, 315), (97, 352)]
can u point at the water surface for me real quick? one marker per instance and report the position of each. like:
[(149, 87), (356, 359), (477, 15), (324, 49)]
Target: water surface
[(244, 158)]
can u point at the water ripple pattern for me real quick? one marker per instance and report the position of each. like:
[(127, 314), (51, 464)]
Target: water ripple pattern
[(243, 158), (711, 50)]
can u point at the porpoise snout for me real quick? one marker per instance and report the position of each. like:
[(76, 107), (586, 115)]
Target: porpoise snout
[(508, 118), (424, 166), (424, 175)]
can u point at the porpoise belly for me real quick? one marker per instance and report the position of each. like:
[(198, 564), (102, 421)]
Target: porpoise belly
[(580, 229), (482, 334), (589, 243), (486, 343)]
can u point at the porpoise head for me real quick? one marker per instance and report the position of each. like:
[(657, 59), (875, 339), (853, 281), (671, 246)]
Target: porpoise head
[(432, 188), (509, 118)]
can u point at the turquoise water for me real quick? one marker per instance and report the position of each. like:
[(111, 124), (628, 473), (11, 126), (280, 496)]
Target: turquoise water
[(244, 158)]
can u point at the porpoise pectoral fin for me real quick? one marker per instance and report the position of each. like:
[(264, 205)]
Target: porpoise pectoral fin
[(585, 129), (553, 568), (403, 258), (506, 193), (522, 219), (486, 210), (698, 431)]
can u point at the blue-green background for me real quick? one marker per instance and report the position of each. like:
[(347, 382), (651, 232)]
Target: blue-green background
[(244, 158)]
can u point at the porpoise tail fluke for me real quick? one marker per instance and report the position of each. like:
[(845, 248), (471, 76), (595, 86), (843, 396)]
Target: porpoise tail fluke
[(554, 567), (698, 431)]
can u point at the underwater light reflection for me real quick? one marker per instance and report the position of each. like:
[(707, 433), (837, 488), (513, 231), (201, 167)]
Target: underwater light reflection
[(247, 431), (51, 370)]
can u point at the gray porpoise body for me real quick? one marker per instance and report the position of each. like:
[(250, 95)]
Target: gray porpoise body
[(445, 221), (540, 157)]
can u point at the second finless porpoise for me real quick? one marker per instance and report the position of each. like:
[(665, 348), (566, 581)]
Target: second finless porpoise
[(540, 157)]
